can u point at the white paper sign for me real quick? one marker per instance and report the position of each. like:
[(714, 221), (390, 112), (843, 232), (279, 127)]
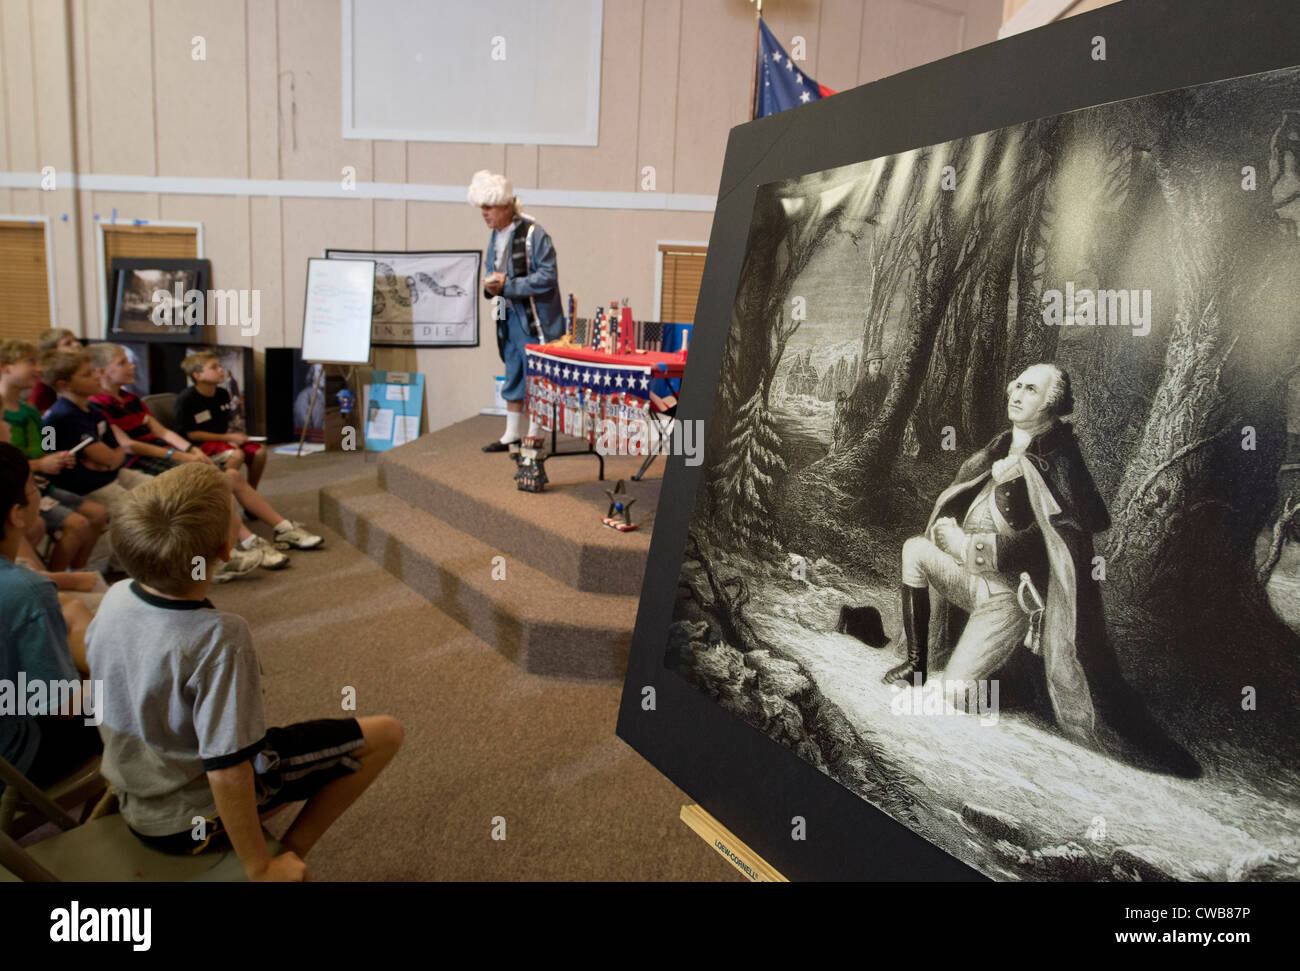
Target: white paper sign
[(381, 424)]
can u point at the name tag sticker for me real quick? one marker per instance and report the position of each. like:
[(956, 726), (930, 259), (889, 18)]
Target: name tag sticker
[(203, 416)]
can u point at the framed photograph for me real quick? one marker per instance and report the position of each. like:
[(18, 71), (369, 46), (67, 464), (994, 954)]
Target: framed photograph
[(422, 299), (994, 550), (158, 299)]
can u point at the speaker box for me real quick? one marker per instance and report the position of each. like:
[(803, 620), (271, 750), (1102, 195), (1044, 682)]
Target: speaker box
[(282, 364)]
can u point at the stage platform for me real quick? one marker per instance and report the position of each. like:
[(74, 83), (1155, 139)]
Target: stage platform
[(437, 512)]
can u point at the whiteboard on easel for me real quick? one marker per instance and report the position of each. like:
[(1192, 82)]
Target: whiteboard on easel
[(336, 312)]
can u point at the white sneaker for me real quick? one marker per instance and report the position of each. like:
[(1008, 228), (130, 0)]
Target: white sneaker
[(241, 563), (296, 535), (272, 558)]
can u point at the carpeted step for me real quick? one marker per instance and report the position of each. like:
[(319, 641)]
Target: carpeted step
[(532, 618), (558, 531)]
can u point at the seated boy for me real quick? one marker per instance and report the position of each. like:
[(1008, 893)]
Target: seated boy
[(153, 448), (76, 521), (203, 415), (34, 640), (42, 396), (98, 470), (184, 730)]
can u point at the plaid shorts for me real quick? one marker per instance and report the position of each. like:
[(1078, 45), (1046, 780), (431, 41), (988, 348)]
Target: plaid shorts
[(294, 763)]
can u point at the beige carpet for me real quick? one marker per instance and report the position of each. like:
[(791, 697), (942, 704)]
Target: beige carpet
[(484, 739)]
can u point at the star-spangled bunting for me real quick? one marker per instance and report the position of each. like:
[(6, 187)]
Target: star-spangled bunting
[(583, 399), (781, 84)]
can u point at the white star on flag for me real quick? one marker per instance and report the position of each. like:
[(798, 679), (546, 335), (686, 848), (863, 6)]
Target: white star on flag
[(566, 374), (619, 381), (645, 382), (586, 377), (776, 56), (606, 377), (789, 65), (805, 97)]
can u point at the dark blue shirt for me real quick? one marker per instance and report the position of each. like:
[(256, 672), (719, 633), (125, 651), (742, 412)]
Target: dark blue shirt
[(70, 424)]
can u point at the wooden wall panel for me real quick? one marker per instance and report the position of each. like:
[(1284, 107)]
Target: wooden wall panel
[(120, 83), (656, 135), (612, 164), (202, 106), (22, 151)]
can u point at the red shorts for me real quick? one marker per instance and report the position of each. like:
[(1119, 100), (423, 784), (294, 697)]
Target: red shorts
[(216, 448)]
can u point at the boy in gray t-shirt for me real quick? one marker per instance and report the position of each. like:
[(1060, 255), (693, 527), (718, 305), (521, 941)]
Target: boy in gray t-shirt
[(186, 746)]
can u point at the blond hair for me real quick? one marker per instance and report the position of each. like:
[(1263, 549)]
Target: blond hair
[(59, 366), (193, 364), (166, 523), (50, 339), (13, 351), (104, 354)]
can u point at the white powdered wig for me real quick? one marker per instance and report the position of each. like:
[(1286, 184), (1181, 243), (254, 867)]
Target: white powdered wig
[(489, 189)]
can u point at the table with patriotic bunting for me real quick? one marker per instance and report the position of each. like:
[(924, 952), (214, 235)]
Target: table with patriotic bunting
[(589, 394)]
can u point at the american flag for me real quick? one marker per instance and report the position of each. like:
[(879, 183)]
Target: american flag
[(781, 84)]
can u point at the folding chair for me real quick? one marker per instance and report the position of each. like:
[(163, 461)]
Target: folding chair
[(663, 412), (103, 850), (83, 785)]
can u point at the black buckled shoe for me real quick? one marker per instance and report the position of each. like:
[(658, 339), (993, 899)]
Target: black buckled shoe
[(916, 625), (499, 446)]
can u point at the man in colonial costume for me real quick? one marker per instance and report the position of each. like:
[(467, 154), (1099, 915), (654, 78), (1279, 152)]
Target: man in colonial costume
[(521, 273)]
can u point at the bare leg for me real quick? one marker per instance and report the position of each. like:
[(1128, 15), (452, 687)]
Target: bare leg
[(383, 736), (250, 499), (97, 516), (257, 467), (72, 539), (77, 617), (27, 552), (36, 533)]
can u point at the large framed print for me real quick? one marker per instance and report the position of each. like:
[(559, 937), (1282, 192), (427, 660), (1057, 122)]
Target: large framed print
[(158, 299), (991, 567), (422, 299)]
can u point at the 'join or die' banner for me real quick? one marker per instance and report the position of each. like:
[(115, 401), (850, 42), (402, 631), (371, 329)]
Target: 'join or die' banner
[(592, 401)]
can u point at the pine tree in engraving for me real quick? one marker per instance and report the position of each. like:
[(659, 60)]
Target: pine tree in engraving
[(751, 470)]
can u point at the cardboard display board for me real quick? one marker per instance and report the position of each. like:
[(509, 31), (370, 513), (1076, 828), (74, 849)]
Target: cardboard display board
[(1114, 195), (392, 404)]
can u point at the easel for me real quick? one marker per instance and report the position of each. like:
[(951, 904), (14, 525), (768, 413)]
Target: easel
[(729, 848), (337, 318)]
